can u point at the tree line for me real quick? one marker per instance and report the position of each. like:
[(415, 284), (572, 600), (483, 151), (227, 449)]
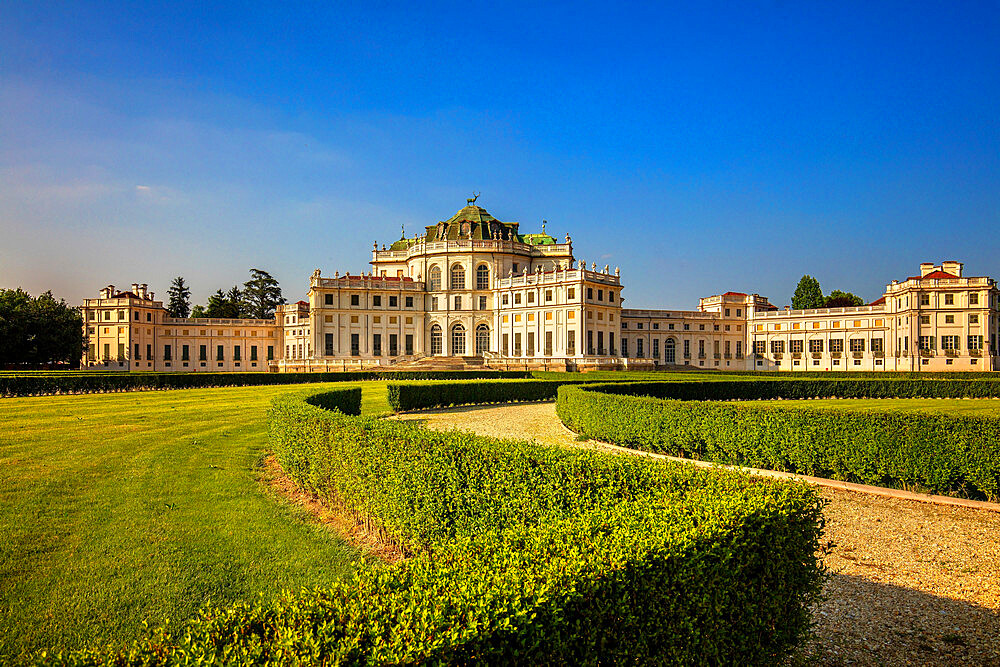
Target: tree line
[(809, 294), (38, 331), (258, 298)]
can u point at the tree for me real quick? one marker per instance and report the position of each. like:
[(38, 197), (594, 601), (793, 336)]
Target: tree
[(838, 299), (198, 311), (261, 295), (180, 298), (234, 303), (38, 331), (807, 294)]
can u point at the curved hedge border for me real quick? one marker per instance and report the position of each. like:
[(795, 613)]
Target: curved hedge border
[(39, 385), (522, 554), (424, 395), (941, 453)]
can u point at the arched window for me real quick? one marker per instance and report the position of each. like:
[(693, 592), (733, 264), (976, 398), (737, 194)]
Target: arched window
[(436, 339), (458, 277), (669, 351), (482, 339), (483, 277), (434, 279), (457, 340)]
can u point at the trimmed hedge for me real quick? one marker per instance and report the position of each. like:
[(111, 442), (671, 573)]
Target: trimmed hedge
[(81, 383), (522, 554), (423, 395), (940, 453)]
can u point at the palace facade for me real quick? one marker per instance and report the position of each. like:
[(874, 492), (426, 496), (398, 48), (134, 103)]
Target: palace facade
[(478, 291)]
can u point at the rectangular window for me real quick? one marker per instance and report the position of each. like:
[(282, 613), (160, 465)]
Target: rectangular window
[(107, 351), (973, 318), (949, 299), (927, 343), (220, 353), (121, 315), (166, 353), (739, 349), (600, 342), (90, 315), (548, 343), (409, 302), (408, 343), (328, 344), (639, 352), (611, 295), (777, 347), (270, 353), (137, 356), (121, 351), (548, 295), (973, 298), (571, 342), (701, 349), (656, 348), (949, 343), (687, 349), (135, 316), (506, 345), (393, 302), (925, 299), (393, 345), (531, 297), (590, 293), (975, 342), (600, 295), (816, 346), (203, 353), (377, 301), (434, 303), (531, 343), (857, 345), (759, 347), (590, 342), (517, 344), (355, 299), (625, 347), (571, 293), (355, 345), (377, 345), (328, 299), (949, 319), (482, 303), (925, 319), (505, 299), (236, 353), (877, 345), (837, 345), (185, 353), (253, 353), (458, 303)]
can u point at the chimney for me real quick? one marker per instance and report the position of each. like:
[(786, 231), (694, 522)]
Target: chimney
[(954, 268), (925, 268), (135, 289), (150, 296), (143, 287)]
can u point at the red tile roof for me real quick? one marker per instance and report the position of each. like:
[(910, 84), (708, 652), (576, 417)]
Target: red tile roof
[(302, 303), (933, 275), (878, 302), (735, 294)]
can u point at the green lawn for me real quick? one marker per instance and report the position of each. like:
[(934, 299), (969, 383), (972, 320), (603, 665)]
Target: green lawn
[(117, 508), (988, 407)]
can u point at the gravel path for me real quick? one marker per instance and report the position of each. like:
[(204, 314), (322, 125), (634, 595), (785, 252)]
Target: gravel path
[(912, 583)]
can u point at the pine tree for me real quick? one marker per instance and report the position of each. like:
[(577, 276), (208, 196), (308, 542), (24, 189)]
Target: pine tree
[(217, 305), (180, 298), (261, 295), (807, 294)]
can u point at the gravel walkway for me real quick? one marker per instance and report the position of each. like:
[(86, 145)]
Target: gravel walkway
[(912, 584)]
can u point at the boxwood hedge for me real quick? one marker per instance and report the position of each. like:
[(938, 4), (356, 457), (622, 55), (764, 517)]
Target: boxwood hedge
[(422, 395), (940, 453), (522, 554), (86, 383)]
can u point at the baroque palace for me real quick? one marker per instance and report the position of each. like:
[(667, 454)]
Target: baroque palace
[(473, 291)]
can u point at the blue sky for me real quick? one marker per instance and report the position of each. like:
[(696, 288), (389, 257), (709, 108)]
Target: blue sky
[(703, 147)]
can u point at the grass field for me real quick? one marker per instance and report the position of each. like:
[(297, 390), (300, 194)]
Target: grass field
[(116, 508), (985, 407)]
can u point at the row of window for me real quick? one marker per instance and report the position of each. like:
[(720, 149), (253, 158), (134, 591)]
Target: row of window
[(547, 346), (686, 326), (458, 277), (356, 302), (670, 349), (950, 319), (185, 351), (458, 335), (457, 301), (122, 316), (877, 345)]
